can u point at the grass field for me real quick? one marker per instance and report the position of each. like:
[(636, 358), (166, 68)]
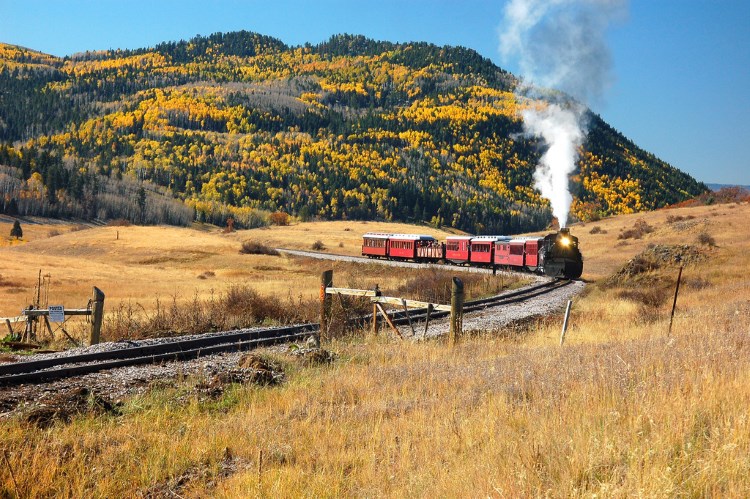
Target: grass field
[(139, 263), (137, 266), (621, 410)]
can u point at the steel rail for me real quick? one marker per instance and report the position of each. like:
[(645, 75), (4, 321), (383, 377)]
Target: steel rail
[(48, 369), (79, 370)]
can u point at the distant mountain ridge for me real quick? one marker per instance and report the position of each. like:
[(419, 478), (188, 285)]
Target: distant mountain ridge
[(241, 124), (718, 187)]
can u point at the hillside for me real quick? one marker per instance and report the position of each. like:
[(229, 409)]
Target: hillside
[(241, 124)]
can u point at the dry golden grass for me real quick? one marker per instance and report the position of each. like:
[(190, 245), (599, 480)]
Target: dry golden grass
[(647, 418), (621, 410), (140, 263)]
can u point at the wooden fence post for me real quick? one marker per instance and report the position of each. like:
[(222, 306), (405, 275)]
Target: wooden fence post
[(427, 320), (408, 317), (375, 311), (97, 312), (565, 322), (326, 281), (674, 303), (457, 311)]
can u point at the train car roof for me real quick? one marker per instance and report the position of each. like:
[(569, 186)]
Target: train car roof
[(460, 238), (490, 238), (528, 238), (377, 235), (412, 237)]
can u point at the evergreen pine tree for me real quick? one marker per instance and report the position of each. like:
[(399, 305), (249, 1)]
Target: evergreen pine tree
[(16, 231)]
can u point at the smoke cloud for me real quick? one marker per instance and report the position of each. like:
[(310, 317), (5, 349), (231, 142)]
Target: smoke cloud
[(560, 45), (562, 131)]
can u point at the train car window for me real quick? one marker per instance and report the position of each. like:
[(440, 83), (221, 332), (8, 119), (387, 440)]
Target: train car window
[(374, 243)]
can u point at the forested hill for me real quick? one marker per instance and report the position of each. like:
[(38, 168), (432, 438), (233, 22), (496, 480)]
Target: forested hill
[(242, 125)]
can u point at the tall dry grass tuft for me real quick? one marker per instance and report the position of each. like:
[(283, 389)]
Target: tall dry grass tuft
[(239, 306), (256, 248), (706, 239), (639, 229), (435, 285)]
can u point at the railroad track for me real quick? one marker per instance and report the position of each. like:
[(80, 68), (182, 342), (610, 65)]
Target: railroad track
[(37, 371), (45, 370)]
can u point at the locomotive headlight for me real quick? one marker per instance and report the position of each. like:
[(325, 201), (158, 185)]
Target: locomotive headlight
[(565, 241)]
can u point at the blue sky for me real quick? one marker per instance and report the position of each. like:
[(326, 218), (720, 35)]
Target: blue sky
[(681, 70)]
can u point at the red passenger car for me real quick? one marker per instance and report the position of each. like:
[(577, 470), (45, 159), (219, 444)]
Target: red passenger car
[(502, 253), (375, 244), (516, 257), (410, 246), (510, 252), (457, 248), (483, 248)]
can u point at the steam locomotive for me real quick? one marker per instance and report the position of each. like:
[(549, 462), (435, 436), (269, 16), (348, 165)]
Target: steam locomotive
[(554, 255)]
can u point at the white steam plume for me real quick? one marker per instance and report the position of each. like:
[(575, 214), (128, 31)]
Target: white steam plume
[(559, 45), (562, 131)]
